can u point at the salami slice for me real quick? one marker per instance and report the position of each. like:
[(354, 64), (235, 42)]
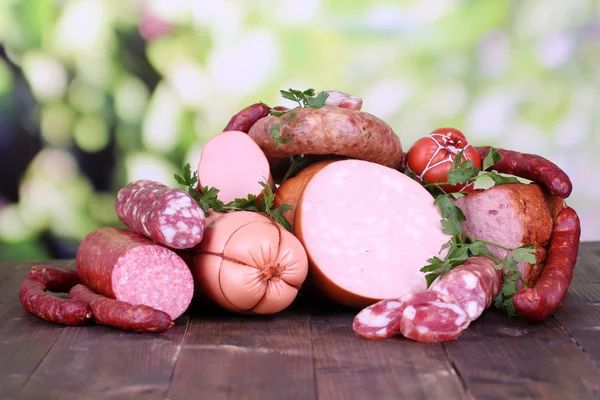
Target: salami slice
[(343, 100), (122, 265), (431, 317), (170, 217), (380, 320)]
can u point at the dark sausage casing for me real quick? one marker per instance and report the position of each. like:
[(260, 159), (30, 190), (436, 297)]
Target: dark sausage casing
[(243, 120), (539, 302)]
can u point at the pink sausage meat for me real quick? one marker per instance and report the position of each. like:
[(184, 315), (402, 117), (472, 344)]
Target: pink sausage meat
[(380, 320), (122, 265), (170, 217), (343, 100)]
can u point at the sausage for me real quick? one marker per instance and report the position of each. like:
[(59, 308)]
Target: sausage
[(249, 264), (356, 219), (473, 285), (511, 215), (344, 100), (118, 314), (330, 131), (60, 280), (380, 320), (170, 217), (35, 300), (243, 120), (125, 266), (233, 163), (536, 304), (432, 317), (532, 167)]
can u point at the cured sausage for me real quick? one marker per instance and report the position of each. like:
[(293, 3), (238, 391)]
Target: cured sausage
[(511, 215), (233, 163), (122, 265), (330, 131), (118, 314), (35, 300), (532, 167), (431, 317), (537, 303), (243, 120), (249, 264), (356, 219), (170, 217), (344, 100), (380, 320), (473, 285), (60, 280)]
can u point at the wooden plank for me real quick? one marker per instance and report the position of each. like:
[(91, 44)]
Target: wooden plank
[(97, 362), (587, 269), (350, 367), (24, 338), (502, 358), (228, 356)]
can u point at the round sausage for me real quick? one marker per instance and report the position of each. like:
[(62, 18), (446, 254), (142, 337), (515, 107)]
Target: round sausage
[(122, 265)]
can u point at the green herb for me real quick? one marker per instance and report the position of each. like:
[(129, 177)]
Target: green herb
[(209, 199), (307, 98), (461, 245)]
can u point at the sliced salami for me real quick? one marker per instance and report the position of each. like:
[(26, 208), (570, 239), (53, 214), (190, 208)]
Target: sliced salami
[(431, 317), (380, 320), (170, 217), (343, 100)]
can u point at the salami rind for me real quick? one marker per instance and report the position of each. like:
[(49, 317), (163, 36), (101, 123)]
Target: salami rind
[(125, 266), (170, 217), (538, 303), (118, 314), (380, 320), (35, 300)]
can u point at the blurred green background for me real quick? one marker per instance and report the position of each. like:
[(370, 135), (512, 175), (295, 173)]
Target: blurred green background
[(96, 93)]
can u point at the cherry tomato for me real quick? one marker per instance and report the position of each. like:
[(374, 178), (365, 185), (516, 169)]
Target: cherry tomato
[(432, 156)]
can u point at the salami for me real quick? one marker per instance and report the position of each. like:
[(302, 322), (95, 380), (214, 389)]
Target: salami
[(118, 314), (234, 164), (170, 217), (243, 120), (356, 219), (122, 265), (431, 317), (532, 167), (35, 300), (380, 320), (538, 303), (344, 100)]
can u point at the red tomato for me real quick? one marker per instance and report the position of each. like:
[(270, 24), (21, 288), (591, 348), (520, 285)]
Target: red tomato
[(431, 157)]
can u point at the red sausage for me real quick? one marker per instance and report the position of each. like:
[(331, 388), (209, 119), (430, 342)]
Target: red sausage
[(118, 314), (244, 120), (532, 167), (35, 300), (538, 303)]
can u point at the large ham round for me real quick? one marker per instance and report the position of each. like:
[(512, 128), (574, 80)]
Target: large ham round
[(368, 230), (247, 263)]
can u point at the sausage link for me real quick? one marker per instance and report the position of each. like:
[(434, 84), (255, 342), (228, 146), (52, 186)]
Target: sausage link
[(122, 315), (61, 280), (243, 120), (533, 167), (538, 303), (35, 300)]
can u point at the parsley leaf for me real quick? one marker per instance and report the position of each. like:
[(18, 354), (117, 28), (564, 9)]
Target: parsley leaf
[(500, 179), (491, 158)]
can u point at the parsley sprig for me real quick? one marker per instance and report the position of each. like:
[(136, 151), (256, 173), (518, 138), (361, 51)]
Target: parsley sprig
[(209, 199), (307, 98), (461, 245)]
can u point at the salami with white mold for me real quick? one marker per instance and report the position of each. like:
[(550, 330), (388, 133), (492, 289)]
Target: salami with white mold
[(170, 217), (122, 265), (380, 320)]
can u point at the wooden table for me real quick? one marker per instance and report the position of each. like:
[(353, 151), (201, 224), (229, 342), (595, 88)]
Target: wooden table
[(308, 351)]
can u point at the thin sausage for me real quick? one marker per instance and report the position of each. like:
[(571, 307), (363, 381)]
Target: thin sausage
[(60, 280), (35, 300), (122, 315), (243, 120), (538, 303), (532, 167)]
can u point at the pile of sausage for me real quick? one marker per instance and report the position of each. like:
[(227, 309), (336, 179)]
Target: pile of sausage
[(362, 229)]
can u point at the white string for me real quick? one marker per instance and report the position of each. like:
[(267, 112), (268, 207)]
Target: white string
[(450, 157)]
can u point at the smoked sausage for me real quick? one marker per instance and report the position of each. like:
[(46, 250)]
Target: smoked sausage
[(532, 167), (243, 120), (60, 280), (539, 302), (35, 300), (118, 314)]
